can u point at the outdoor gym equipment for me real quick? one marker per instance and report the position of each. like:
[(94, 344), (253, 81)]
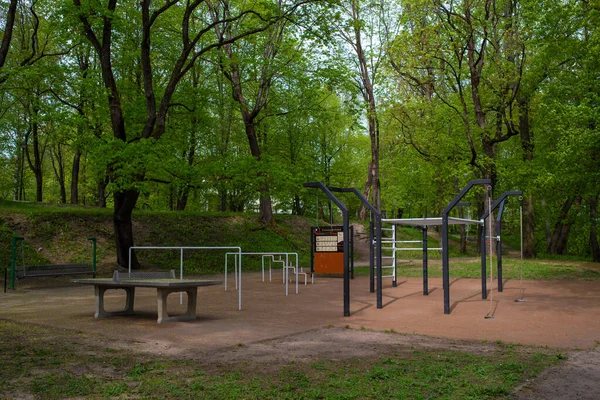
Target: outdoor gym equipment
[(444, 221), (499, 203), (345, 231), (286, 264), (374, 232), (181, 250)]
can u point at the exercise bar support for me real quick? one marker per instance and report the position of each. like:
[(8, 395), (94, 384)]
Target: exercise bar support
[(346, 230), (373, 235), (445, 257), (497, 203)]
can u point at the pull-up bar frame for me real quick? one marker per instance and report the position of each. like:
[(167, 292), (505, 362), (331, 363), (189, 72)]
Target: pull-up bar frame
[(500, 202), (346, 230), (445, 256), (374, 232)]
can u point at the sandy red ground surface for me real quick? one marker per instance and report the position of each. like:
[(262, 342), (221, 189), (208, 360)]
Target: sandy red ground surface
[(555, 313)]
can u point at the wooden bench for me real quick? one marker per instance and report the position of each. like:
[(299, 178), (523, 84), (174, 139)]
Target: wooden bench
[(31, 271)]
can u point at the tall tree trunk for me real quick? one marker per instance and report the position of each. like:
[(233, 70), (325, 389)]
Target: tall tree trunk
[(7, 35), (594, 246), (265, 206), (222, 199), (527, 147), (529, 227), (461, 214), (36, 164), (101, 192), (489, 172), (182, 199), (75, 177), (124, 204), (297, 206), (560, 235), (372, 185), (59, 171), (249, 114)]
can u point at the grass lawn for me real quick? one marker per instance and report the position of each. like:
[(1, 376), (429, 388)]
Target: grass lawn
[(51, 364), (511, 269)]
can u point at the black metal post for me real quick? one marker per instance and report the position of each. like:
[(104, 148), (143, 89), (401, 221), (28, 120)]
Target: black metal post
[(445, 257), (445, 263), (425, 261), (351, 244), (371, 257), (379, 261), (312, 251), (499, 245), (373, 241), (346, 230)]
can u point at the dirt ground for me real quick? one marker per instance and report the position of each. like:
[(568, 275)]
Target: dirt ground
[(275, 327)]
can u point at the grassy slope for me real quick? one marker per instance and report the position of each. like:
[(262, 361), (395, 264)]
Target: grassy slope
[(59, 234)]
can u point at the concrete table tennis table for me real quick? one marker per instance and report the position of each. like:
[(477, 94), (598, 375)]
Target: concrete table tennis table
[(164, 286)]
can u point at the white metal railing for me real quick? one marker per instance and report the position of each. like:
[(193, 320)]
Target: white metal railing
[(182, 248), (286, 265)]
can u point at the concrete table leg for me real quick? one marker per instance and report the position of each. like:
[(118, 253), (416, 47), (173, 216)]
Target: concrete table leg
[(99, 292), (161, 302)]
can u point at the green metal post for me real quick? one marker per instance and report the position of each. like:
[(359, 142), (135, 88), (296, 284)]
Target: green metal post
[(13, 265), (93, 240)]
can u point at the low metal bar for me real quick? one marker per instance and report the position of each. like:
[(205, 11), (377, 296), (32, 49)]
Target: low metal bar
[(182, 248)]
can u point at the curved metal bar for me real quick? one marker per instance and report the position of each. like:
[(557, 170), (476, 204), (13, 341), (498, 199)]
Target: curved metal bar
[(499, 203), (373, 235), (346, 230), (445, 257)]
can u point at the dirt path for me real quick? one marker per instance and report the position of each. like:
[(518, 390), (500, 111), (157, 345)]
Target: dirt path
[(575, 378)]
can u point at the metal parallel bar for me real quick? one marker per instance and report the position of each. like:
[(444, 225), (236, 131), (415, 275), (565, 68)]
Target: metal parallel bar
[(182, 248), (418, 249), (345, 228), (445, 255), (286, 263)]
